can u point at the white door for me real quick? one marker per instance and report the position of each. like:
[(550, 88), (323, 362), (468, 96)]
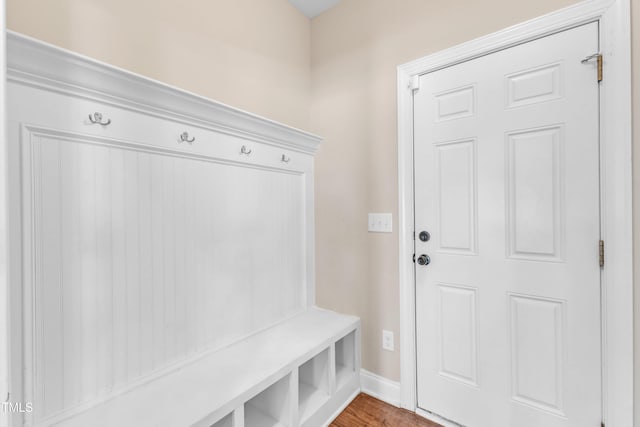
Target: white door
[(507, 185)]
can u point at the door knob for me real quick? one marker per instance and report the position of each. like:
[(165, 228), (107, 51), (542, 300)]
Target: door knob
[(424, 236), (424, 259)]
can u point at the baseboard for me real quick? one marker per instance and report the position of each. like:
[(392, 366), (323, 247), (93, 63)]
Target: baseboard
[(380, 387)]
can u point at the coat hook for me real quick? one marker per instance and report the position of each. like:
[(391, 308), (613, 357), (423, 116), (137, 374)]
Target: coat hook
[(184, 137), (285, 159), (96, 118), (244, 150)]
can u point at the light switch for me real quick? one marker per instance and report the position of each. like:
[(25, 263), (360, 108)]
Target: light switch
[(380, 222)]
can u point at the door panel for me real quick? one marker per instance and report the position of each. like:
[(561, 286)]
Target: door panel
[(507, 183)]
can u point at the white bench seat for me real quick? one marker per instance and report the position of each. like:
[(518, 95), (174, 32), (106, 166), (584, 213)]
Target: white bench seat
[(209, 389)]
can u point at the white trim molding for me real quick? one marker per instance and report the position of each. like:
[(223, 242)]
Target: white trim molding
[(35, 63), (613, 17), (380, 387)]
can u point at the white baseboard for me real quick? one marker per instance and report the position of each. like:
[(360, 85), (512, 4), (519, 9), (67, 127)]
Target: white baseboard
[(380, 387)]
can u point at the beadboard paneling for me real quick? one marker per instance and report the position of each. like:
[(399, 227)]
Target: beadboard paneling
[(142, 259)]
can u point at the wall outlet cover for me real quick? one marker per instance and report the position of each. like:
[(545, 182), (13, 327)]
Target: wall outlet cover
[(387, 340)]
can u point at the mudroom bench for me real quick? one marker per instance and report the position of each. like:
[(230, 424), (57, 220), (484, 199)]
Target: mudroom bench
[(300, 372), (165, 245)]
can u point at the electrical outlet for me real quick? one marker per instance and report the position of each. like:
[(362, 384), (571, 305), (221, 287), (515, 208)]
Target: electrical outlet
[(387, 340)]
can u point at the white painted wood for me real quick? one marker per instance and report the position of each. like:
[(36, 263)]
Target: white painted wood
[(349, 385), (436, 418), (245, 261), (38, 64), (525, 181), (616, 213), (227, 421), (615, 101), (140, 254), (271, 407), (238, 417), (346, 401), (380, 387), (339, 401), (346, 363), (218, 382), (313, 385)]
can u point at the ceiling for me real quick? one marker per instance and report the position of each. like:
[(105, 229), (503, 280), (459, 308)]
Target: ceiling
[(313, 8)]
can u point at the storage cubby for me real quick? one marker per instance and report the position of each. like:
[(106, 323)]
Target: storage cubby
[(345, 359), (270, 408), (313, 385), (225, 422)]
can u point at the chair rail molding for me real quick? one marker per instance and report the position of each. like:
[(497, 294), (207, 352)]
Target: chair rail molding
[(613, 17)]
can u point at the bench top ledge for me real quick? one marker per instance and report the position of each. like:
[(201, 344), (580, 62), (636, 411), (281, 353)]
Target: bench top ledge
[(206, 390)]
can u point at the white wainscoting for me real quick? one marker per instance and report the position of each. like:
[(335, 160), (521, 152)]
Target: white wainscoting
[(142, 259)]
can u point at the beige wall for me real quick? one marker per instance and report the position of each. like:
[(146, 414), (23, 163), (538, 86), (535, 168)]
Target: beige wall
[(250, 54), (355, 50)]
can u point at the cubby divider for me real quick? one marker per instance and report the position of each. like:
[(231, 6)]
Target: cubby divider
[(345, 355), (313, 385), (271, 407)]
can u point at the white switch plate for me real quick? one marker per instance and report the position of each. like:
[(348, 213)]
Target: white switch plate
[(387, 340), (380, 222)]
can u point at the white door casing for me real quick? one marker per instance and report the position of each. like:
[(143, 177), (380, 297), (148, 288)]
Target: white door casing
[(615, 203), (506, 173)]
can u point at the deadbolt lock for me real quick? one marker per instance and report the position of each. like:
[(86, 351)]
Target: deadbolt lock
[(424, 236)]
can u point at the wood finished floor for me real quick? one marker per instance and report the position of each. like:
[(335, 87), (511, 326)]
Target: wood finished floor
[(371, 412)]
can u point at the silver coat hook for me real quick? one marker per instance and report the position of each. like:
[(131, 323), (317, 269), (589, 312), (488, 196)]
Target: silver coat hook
[(96, 118), (184, 137), (285, 159), (244, 150)]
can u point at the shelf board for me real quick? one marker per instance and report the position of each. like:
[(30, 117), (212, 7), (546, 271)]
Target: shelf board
[(311, 398), (254, 417)]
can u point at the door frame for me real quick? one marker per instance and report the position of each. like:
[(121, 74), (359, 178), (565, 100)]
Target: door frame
[(616, 219)]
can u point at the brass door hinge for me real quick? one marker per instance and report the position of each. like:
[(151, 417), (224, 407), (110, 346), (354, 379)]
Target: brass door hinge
[(601, 252), (599, 63), (600, 72)]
